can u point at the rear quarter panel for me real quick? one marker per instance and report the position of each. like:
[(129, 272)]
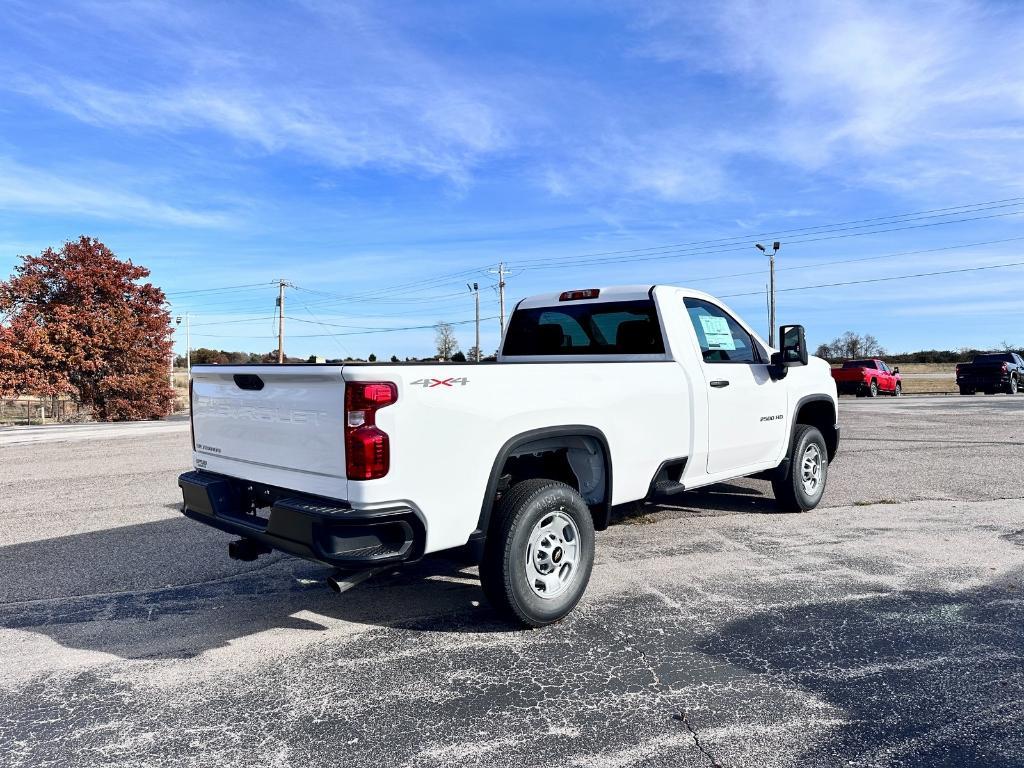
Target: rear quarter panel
[(445, 436)]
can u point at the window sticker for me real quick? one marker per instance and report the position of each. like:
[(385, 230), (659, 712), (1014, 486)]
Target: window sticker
[(717, 333)]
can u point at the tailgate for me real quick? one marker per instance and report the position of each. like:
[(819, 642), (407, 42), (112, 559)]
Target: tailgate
[(848, 374), (282, 416)]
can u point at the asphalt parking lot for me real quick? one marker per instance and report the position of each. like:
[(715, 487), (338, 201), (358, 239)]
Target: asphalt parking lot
[(884, 629)]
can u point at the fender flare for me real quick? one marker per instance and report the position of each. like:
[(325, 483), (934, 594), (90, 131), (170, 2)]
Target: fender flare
[(815, 398), (601, 512)]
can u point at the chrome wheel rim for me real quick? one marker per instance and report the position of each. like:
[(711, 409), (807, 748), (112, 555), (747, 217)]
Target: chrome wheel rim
[(552, 555), (810, 470)]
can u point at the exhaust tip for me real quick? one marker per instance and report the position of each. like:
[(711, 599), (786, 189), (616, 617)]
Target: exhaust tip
[(332, 582)]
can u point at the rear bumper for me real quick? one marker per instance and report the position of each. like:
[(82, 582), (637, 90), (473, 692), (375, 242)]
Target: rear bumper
[(851, 387), (323, 530), (993, 381)]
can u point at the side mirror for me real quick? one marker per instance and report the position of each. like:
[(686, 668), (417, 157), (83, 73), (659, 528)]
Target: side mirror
[(792, 351), (896, 369)]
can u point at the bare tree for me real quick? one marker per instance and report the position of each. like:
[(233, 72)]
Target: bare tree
[(852, 345), (444, 337)]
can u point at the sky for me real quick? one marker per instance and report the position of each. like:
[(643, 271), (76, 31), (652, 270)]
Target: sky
[(379, 156)]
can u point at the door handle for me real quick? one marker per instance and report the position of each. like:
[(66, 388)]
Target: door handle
[(719, 383)]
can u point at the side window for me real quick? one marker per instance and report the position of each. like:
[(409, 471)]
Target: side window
[(722, 339), (883, 367)]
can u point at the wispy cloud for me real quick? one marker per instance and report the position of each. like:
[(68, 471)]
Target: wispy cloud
[(905, 93), (32, 189), (362, 95)]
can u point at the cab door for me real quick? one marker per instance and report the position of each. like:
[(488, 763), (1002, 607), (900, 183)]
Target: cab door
[(746, 407)]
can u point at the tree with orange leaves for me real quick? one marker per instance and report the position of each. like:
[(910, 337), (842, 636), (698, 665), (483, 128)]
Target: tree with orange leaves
[(78, 322)]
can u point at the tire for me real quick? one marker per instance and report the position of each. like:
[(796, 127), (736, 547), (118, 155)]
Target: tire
[(898, 392), (791, 493), (966, 391), (873, 389), (1012, 387), (535, 524)]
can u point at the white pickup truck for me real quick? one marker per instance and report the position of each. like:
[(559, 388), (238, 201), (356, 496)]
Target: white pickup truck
[(598, 398)]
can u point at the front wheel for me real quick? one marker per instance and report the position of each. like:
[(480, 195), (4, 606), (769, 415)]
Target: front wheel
[(898, 392), (1012, 388), (803, 485), (539, 552)]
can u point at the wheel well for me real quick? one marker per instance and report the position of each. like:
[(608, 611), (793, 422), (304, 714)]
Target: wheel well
[(581, 461), (821, 414)]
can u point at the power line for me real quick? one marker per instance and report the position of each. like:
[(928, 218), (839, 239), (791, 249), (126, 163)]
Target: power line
[(880, 279), (816, 265), (220, 289), (353, 333), (737, 249), (721, 245), (836, 226)]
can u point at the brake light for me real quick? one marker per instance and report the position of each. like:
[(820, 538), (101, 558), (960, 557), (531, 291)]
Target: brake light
[(588, 293), (367, 448), (1005, 367), (191, 416)]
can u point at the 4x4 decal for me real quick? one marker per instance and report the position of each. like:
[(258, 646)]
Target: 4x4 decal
[(428, 383)]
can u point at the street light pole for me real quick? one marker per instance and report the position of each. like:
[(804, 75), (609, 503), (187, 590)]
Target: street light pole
[(188, 342), (771, 288)]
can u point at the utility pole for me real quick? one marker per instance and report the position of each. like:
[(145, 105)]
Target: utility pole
[(501, 297), (188, 345), (280, 321), (771, 288), (474, 288)]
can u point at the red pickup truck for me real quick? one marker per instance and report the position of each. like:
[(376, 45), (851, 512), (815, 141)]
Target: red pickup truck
[(866, 378)]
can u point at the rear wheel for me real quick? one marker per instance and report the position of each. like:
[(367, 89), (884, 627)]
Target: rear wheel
[(803, 485), (966, 391), (539, 552), (873, 389)]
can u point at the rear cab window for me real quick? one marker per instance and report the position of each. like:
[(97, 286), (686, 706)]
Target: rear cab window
[(591, 328)]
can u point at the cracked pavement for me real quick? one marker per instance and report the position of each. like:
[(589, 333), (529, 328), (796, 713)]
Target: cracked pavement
[(885, 628)]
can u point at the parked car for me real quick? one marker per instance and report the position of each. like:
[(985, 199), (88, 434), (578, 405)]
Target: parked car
[(598, 398), (867, 378), (990, 373)]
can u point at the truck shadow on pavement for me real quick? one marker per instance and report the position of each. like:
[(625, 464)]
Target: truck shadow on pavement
[(168, 589)]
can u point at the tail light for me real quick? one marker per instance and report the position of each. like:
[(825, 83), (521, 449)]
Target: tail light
[(1005, 367), (367, 448), (191, 416)]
